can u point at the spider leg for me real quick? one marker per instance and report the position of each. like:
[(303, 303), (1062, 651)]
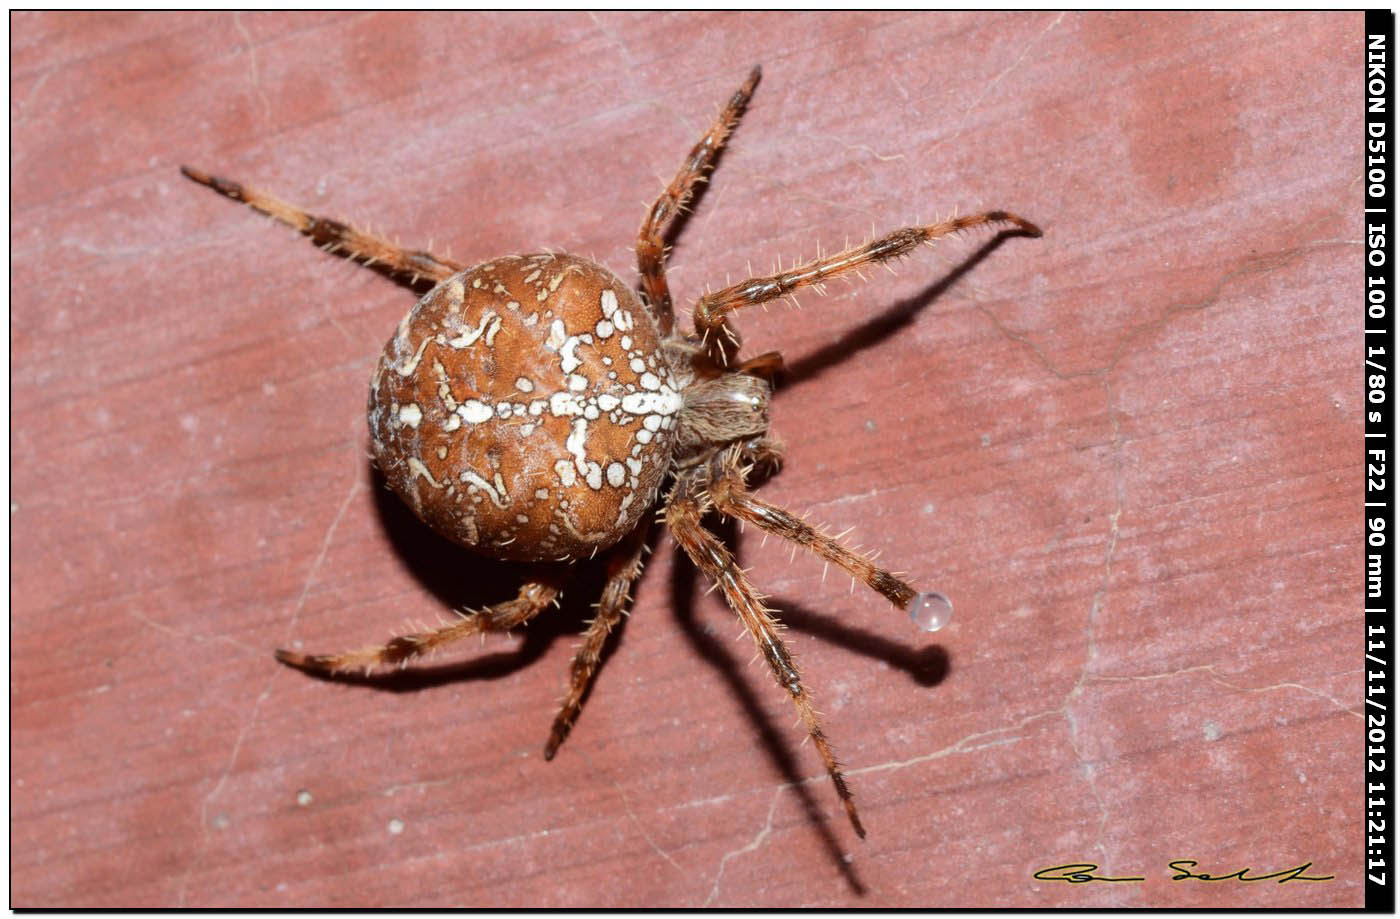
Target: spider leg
[(333, 235), (710, 310), (533, 597), (734, 500), (683, 515), (651, 240), (767, 365), (624, 566)]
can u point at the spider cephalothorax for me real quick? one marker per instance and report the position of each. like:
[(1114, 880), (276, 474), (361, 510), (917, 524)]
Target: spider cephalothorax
[(534, 408)]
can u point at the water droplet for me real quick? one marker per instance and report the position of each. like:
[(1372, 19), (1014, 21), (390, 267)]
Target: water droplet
[(304, 797), (931, 611), (396, 826)]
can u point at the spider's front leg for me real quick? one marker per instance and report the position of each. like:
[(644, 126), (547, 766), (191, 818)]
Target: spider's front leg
[(534, 597), (333, 235), (651, 241), (624, 565), (683, 516), (711, 310), (732, 498)]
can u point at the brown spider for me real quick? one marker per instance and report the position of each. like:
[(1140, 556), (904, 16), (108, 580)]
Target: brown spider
[(532, 407)]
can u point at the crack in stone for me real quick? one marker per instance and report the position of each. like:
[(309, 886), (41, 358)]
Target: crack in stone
[(189, 636), (987, 87), (752, 844), (627, 806), (243, 732), (1213, 674), (253, 68)]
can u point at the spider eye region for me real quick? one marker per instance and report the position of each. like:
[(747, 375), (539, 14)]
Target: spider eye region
[(724, 409)]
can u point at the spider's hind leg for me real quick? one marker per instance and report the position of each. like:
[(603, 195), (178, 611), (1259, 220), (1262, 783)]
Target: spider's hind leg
[(534, 597), (624, 565), (333, 235)]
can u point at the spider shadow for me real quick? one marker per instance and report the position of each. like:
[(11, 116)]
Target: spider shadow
[(717, 654), (459, 579), (927, 666), (891, 321)]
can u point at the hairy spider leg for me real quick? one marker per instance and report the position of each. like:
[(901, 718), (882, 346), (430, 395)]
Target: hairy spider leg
[(710, 310), (333, 235), (533, 598), (683, 516), (733, 499), (651, 240), (624, 565)]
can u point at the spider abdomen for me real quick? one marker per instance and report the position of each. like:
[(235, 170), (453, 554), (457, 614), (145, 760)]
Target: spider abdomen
[(523, 408)]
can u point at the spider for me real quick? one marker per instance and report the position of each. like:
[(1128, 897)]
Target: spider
[(535, 408)]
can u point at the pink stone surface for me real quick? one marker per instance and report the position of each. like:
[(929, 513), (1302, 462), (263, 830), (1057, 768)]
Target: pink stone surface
[(1127, 451)]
